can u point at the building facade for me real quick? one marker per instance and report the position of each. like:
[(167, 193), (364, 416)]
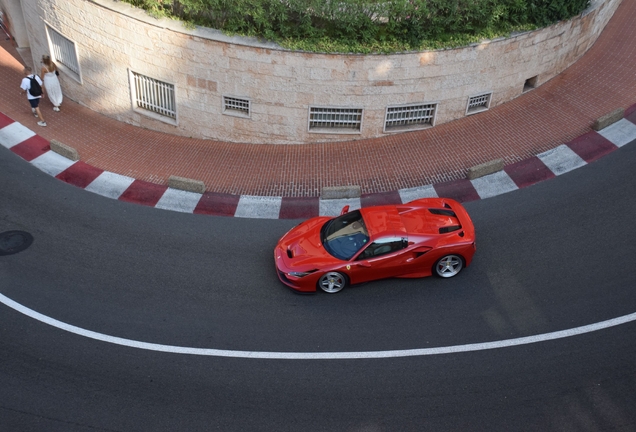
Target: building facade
[(159, 75)]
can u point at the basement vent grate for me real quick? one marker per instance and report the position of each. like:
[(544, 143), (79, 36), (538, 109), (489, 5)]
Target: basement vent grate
[(409, 117), (478, 103), (330, 120), (236, 106)]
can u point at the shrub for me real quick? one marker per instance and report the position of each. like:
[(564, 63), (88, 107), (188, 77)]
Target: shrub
[(366, 25)]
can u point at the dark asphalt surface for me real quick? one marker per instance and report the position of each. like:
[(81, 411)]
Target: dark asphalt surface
[(553, 256)]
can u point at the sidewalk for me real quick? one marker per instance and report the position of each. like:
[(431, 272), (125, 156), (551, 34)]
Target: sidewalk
[(559, 112)]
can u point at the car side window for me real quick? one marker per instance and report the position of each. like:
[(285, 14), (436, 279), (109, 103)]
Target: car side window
[(382, 247)]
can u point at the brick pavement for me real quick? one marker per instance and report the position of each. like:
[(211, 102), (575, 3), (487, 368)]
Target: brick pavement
[(558, 112)]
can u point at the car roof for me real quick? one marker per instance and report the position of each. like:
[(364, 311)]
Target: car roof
[(405, 220), (383, 221)]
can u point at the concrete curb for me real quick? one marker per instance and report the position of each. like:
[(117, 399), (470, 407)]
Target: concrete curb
[(62, 149), (186, 184), (484, 169), (340, 192), (489, 179), (608, 119)]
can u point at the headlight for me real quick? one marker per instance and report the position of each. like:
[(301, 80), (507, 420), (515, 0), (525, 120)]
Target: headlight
[(300, 274)]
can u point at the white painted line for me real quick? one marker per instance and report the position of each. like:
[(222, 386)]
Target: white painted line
[(14, 134), (411, 194), (259, 207), (561, 160), (317, 355), (333, 207), (620, 133), (110, 185), (179, 200), (494, 184), (52, 163)]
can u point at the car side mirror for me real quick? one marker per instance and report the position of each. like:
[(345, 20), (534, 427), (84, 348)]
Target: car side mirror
[(344, 210)]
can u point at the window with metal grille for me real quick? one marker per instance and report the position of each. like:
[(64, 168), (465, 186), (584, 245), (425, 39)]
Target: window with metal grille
[(478, 103), (406, 117), (63, 52), (236, 106), (153, 95), (340, 119)]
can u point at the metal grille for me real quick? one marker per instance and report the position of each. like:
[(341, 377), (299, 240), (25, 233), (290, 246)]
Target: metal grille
[(411, 115), (335, 118), (239, 106), (63, 50), (478, 103), (154, 95)]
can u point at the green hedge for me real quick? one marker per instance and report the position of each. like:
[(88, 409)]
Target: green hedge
[(367, 25)]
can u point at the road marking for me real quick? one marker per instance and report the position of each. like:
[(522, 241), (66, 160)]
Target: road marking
[(317, 355), (262, 207), (14, 134), (561, 159), (52, 163), (494, 184)]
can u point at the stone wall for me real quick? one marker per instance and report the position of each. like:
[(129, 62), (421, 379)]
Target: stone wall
[(113, 38)]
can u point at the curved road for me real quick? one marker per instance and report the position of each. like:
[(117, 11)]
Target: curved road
[(551, 257)]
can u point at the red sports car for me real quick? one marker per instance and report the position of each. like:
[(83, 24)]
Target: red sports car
[(417, 239)]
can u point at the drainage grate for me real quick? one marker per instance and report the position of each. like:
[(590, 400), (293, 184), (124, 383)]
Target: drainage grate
[(12, 242), (478, 103)]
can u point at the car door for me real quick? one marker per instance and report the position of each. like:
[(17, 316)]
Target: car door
[(381, 259)]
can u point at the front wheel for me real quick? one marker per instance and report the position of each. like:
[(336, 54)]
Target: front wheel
[(449, 266), (332, 282)]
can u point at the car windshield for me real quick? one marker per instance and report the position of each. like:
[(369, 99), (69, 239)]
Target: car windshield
[(345, 235)]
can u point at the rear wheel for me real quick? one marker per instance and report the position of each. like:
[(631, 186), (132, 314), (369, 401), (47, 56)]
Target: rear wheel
[(332, 282), (449, 266)]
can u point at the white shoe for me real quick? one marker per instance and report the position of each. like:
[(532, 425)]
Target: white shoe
[(41, 123), (56, 108)]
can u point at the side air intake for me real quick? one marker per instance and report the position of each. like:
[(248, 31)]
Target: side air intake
[(444, 230), (443, 212)]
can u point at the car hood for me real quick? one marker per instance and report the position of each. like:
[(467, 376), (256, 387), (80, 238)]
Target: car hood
[(301, 249)]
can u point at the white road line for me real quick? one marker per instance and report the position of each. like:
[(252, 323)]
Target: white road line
[(52, 163), (260, 207), (561, 159), (317, 355), (333, 207), (494, 184), (620, 133), (179, 200), (110, 185), (411, 194), (14, 134)]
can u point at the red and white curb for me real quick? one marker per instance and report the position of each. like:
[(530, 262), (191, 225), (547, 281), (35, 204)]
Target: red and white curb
[(560, 160)]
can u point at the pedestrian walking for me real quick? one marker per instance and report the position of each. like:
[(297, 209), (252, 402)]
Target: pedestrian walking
[(49, 75), (32, 86)]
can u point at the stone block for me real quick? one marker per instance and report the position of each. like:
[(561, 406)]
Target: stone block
[(608, 119), (485, 169), (67, 151), (340, 192), (186, 184)]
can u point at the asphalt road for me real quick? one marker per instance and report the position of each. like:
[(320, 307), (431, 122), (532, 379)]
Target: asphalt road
[(554, 256)]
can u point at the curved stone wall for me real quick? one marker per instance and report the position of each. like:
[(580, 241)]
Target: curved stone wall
[(114, 40)]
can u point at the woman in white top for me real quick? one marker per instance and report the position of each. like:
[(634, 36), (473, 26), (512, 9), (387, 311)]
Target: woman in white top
[(51, 83)]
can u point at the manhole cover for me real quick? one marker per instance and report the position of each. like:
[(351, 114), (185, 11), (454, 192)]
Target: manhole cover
[(12, 242)]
